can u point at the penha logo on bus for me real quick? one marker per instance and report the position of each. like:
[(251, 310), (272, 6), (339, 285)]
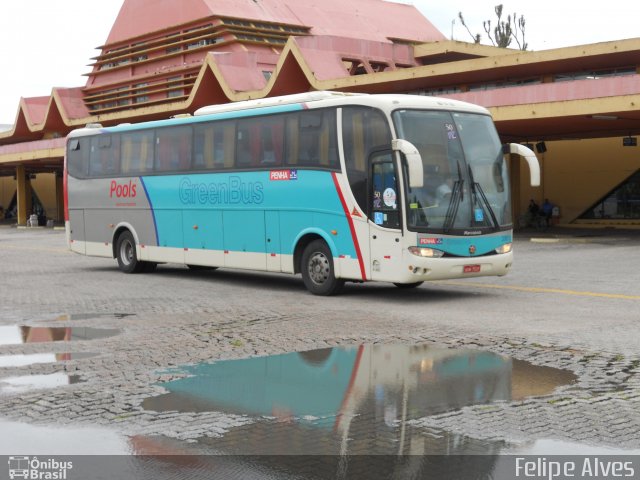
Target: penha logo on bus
[(119, 190), (279, 175), (430, 241)]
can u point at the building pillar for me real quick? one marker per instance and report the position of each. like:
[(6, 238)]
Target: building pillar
[(59, 198), (23, 195)]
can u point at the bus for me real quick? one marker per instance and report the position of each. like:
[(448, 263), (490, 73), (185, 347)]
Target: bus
[(334, 186)]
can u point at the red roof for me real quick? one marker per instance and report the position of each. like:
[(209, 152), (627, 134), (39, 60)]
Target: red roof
[(240, 70), (72, 102), (376, 20), (324, 55), (35, 108)]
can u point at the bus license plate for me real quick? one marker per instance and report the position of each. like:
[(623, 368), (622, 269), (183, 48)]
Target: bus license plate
[(471, 269)]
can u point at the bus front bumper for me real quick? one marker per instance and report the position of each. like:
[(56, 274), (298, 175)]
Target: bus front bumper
[(419, 269)]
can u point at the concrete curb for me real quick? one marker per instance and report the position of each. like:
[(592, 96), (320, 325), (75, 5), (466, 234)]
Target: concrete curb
[(562, 240)]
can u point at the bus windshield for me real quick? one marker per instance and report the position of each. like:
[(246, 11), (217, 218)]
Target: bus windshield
[(466, 182)]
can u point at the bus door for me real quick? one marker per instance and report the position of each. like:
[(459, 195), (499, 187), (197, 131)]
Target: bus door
[(385, 229)]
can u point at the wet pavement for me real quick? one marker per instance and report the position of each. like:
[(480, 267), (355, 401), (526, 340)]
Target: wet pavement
[(321, 396), (61, 440), (430, 456), (19, 334), (576, 234), (353, 400), (235, 363), (34, 382), (35, 358), (556, 447)]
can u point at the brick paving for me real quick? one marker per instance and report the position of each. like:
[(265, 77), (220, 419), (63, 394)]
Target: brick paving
[(176, 317)]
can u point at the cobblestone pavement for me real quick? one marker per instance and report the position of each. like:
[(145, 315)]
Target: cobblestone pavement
[(570, 304)]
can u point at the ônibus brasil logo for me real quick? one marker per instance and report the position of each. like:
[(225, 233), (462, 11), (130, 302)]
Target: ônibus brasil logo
[(35, 469)]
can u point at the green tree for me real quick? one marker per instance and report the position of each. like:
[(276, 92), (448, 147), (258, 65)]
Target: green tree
[(504, 32)]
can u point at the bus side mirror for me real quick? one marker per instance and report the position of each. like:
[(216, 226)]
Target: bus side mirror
[(529, 156), (414, 161)]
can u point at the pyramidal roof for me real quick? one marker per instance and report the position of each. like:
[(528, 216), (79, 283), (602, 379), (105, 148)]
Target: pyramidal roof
[(376, 20)]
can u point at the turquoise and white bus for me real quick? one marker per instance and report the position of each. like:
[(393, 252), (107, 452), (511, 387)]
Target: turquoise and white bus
[(338, 187)]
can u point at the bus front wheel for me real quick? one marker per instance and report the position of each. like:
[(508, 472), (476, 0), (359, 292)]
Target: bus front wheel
[(318, 271), (126, 254)]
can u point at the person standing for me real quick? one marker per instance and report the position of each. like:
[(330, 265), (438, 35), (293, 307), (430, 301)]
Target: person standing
[(547, 211)]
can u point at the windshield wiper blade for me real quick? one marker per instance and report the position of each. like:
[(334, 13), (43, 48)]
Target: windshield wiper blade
[(454, 203), (461, 181), (457, 197), (484, 201)]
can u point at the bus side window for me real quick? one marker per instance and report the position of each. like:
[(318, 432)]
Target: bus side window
[(203, 146), (173, 149), (137, 152), (78, 157), (267, 151), (214, 146), (229, 144), (293, 139), (260, 141), (245, 147), (104, 155), (329, 156), (311, 139)]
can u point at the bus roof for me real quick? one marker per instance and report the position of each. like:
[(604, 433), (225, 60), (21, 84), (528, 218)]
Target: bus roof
[(273, 101), (291, 103)]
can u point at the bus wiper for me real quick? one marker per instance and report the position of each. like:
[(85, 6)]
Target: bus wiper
[(457, 196), (484, 201), (454, 203), (461, 182)]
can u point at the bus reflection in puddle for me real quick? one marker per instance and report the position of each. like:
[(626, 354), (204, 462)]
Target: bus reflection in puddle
[(349, 399)]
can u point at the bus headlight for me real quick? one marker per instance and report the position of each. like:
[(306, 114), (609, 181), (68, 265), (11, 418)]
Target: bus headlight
[(506, 248), (426, 252)]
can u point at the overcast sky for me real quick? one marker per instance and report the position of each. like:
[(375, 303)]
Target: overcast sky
[(45, 43)]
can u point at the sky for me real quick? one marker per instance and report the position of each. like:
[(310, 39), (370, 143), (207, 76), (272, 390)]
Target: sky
[(45, 43)]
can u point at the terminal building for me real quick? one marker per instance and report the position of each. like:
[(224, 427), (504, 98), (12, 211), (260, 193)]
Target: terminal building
[(578, 107)]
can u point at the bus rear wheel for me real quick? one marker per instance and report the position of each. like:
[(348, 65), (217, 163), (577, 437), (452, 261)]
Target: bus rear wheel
[(318, 271), (126, 254)]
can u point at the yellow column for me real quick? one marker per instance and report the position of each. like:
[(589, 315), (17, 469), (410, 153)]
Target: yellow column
[(21, 195)]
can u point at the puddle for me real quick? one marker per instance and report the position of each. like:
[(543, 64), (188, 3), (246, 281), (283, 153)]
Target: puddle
[(33, 359), (352, 400), (324, 387), (260, 451), (33, 382), (20, 334)]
